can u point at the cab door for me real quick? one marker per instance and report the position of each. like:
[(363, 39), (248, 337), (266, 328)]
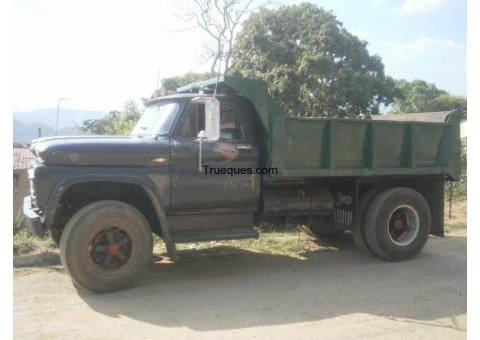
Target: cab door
[(227, 180)]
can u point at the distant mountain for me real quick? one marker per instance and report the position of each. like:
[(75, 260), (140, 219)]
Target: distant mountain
[(67, 117), (26, 124), (25, 133)]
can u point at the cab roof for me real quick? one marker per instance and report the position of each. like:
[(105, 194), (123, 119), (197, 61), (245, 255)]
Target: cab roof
[(253, 89)]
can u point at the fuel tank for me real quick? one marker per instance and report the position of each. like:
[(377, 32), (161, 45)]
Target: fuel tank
[(295, 200)]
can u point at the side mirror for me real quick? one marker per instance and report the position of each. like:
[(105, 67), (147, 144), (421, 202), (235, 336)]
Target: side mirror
[(212, 125), (212, 119)]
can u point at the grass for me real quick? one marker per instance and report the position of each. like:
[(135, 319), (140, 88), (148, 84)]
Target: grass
[(31, 251), (23, 243), (275, 241), (457, 224), (26, 243)]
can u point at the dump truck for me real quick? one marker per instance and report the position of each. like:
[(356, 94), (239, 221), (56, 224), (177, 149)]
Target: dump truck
[(220, 157)]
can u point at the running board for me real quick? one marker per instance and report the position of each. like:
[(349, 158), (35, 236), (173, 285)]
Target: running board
[(212, 235)]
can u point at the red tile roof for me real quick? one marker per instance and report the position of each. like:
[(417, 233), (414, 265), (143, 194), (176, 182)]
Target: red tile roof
[(22, 158)]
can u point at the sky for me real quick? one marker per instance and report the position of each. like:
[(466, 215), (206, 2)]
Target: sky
[(99, 54)]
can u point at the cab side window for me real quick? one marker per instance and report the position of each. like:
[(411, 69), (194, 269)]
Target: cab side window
[(194, 121), (230, 125)]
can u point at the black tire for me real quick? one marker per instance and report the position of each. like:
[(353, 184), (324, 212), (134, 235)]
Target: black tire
[(321, 230), (82, 254), (397, 224), (358, 232)]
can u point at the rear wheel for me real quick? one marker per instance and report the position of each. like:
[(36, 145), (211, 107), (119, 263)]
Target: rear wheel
[(358, 231), (106, 245), (320, 230), (397, 224)]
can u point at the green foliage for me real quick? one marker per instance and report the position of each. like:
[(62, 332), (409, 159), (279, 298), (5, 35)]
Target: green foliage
[(29, 250), (314, 66), (115, 123), (24, 242), (271, 241), (171, 84), (458, 190), (19, 224), (447, 102), (420, 96)]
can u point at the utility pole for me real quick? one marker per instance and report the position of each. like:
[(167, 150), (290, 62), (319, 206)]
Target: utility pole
[(58, 114)]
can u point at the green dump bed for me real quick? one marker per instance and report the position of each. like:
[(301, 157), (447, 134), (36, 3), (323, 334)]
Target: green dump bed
[(417, 144)]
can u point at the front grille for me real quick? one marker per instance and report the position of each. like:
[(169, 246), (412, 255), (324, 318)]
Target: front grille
[(342, 216)]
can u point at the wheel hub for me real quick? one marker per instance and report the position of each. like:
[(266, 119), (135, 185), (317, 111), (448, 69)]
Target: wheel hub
[(403, 225), (113, 249), (398, 224), (110, 248)]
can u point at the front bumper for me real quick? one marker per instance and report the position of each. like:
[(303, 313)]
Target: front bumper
[(33, 220)]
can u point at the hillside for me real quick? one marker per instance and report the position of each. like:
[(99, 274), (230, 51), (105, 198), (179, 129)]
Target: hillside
[(26, 124), (68, 117), (24, 133)]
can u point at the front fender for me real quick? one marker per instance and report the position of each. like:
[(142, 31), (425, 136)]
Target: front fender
[(143, 181)]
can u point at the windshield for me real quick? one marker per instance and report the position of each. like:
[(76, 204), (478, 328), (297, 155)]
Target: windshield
[(156, 119)]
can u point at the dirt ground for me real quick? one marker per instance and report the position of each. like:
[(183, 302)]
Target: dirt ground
[(329, 291)]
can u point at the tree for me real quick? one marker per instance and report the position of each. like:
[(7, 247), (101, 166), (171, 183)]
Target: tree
[(447, 102), (459, 189), (171, 84), (420, 96), (220, 19), (314, 66), (115, 123)]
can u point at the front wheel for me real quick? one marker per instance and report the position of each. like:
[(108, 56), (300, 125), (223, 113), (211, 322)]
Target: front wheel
[(106, 246), (397, 224)]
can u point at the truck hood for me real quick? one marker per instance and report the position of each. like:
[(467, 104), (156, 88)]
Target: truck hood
[(94, 150)]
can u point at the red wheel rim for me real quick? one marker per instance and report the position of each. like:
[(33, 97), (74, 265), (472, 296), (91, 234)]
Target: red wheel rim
[(110, 248)]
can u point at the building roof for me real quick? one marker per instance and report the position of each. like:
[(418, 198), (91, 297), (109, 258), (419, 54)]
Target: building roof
[(22, 158)]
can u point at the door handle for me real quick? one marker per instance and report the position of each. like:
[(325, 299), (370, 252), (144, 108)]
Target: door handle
[(243, 147)]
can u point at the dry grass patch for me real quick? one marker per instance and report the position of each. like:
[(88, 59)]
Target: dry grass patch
[(31, 251), (457, 225), (275, 241)]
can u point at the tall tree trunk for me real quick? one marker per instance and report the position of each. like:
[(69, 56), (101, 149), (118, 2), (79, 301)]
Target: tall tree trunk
[(212, 68), (228, 56)]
